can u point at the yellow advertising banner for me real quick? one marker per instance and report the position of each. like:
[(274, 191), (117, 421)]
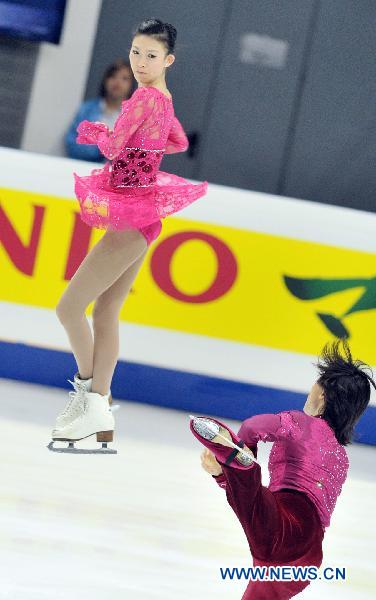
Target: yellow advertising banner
[(201, 278)]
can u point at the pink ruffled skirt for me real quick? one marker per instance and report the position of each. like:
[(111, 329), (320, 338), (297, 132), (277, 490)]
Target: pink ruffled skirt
[(105, 206)]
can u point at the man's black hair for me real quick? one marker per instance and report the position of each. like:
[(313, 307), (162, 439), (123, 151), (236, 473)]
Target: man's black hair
[(347, 389)]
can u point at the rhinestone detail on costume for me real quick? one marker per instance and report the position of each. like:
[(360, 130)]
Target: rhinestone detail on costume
[(130, 192), (135, 167), (321, 479)]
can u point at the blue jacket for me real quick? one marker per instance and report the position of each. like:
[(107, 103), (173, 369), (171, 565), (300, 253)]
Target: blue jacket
[(90, 110)]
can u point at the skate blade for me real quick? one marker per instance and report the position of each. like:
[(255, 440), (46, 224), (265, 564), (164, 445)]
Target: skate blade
[(232, 444), (71, 449)]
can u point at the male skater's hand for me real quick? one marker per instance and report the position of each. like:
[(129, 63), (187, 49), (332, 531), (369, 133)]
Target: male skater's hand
[(209, 463)]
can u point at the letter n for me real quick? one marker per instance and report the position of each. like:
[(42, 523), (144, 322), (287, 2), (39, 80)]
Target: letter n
[(22, 255)]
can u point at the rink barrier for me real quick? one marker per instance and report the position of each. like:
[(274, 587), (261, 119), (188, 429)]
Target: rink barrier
[(234, 301), (191, 392)]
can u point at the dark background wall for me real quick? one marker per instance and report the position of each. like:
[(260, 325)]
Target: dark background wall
[(17, 66), (332, 154), (201, 27), (279, 94)]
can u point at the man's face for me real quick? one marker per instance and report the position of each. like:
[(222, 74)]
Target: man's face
[(315, 401)]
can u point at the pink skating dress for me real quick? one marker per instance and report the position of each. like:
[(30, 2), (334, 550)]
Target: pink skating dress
[(130, 192)]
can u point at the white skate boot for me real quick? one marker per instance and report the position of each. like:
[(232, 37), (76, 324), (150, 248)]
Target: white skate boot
[(96, 418), (75, 404)]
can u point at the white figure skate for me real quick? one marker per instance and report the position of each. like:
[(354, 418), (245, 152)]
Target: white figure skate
[(96, 418), (75, 406), (210, 430)]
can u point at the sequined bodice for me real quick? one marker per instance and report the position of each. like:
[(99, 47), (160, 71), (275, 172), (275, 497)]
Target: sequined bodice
[(135, 167), (118, 196), (137, 163), (145, 130)]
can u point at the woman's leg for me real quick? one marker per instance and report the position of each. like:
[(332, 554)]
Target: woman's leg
[(115, 252), (106, 327)]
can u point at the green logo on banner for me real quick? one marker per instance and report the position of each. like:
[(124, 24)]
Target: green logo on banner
[(311, 289)]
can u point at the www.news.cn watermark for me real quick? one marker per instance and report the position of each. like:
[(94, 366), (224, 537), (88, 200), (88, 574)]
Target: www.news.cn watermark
[(284, 573)]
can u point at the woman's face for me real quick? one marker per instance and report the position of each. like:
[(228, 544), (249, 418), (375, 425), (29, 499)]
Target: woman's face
[(119, 85), (149, 59), (315, 401)]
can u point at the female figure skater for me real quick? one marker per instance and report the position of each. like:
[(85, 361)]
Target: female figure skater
[(117, 85), (127, 197), (285, 522)]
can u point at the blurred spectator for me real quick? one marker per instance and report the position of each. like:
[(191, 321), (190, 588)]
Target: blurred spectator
[(118, 84)]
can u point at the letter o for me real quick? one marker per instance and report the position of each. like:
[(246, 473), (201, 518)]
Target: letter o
[(161, 271)]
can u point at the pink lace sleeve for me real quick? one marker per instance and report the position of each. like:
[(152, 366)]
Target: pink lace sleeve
[(135, 112), (177, 141), (89, 131)]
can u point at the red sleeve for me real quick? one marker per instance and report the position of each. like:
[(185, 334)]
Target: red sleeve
[(177, 141), (269, 427), (134, 112), (221, 480)]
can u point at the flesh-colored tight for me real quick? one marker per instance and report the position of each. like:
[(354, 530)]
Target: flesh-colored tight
[(105, 276)]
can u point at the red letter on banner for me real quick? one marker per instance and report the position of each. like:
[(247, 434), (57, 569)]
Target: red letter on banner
[(79, 246), (23, 257), (226, 273)]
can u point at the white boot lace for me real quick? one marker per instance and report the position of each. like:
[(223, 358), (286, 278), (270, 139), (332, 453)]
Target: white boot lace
[(76, 402)]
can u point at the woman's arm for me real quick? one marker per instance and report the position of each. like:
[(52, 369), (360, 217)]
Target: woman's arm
[(177, 141), (135, 112)]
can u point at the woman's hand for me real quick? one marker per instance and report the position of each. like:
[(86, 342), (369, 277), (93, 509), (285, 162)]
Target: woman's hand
[(209, 463), (88, 131), (109, 131)]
